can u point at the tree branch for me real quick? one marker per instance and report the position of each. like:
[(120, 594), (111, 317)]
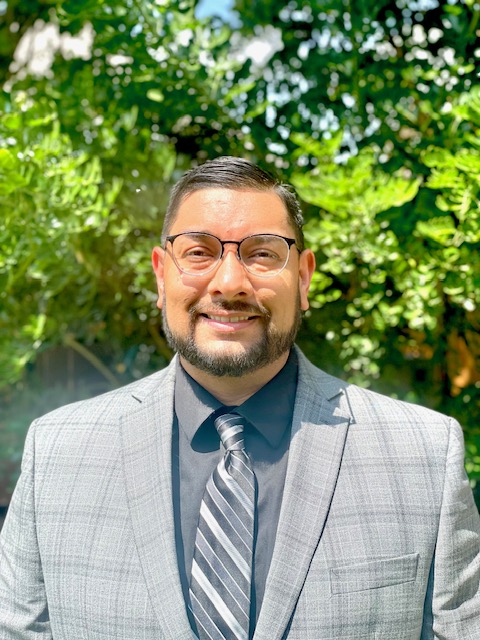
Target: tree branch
[(70, 341)]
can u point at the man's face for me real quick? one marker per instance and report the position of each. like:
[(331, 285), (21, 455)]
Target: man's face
[(229, 322)]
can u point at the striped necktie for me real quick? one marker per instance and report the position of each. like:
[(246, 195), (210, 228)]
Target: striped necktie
[(220, 585)]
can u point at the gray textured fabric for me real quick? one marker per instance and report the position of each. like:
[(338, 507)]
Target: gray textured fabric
[(378, 536)]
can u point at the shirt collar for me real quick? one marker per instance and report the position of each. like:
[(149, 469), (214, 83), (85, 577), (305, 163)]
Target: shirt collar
[(269, 410)]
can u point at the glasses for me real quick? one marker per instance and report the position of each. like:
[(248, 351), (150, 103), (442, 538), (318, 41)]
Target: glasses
[(196, 254)]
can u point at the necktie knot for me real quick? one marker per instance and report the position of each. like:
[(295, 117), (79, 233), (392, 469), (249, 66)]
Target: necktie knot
[(230, 429)]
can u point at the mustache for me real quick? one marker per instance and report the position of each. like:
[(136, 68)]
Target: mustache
[(198, 309)]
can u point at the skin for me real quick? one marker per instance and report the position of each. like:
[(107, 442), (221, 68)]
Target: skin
[(266, 302)]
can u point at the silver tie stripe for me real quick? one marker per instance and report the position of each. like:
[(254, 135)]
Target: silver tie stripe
[(220, 586)]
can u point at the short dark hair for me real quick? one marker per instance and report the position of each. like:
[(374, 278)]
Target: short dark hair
[(228, 172)]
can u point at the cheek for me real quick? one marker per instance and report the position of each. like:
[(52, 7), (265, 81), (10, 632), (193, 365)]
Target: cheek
[(282, 302), (177, 306), (178, 300), (180, 290)]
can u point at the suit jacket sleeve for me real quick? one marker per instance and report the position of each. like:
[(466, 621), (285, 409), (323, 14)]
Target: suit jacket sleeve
[(455, 601), (23, 602)]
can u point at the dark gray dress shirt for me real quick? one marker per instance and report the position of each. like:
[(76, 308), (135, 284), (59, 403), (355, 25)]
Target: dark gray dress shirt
[(197, 451)]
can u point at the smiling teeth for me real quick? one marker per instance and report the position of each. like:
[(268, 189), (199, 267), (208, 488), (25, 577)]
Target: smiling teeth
[(229, 318)]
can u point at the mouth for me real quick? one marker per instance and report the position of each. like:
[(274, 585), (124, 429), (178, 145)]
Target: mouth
[(228, 319), (228, 322)]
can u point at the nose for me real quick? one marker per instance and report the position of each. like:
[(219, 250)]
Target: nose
[(230, 279)]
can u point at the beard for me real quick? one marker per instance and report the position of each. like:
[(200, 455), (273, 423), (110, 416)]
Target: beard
[(271, 345)]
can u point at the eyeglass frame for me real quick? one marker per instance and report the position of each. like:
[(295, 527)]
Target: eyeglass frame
[(290, 242)]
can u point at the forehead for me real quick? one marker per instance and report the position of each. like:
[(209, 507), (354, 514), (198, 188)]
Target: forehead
[(231, 211)]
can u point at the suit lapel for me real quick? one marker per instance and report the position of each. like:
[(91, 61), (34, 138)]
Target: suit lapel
[(147, 437), (319, 430)]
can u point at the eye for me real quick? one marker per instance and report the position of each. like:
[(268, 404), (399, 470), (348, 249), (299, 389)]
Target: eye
[(262, 254), (198, 252), (262, 249)]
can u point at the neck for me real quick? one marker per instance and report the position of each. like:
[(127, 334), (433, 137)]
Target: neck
[(233, 391)]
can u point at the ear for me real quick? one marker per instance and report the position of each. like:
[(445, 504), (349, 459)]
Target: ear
[(158, 257), (305, 273)]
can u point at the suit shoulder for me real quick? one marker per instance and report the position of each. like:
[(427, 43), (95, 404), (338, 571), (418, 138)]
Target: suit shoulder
[(373, 405), (365, 405)]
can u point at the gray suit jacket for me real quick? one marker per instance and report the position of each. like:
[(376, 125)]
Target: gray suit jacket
[(378, 536)]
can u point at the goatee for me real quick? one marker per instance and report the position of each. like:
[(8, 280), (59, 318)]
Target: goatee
[(267, 349)]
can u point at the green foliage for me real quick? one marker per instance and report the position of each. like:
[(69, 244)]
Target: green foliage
[(379, 73), (155, 73), (48, 197), (65, 264)]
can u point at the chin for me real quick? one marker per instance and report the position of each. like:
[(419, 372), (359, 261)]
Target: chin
[(229, 357)]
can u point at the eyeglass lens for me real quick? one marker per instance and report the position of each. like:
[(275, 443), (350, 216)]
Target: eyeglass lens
[(262, 255)]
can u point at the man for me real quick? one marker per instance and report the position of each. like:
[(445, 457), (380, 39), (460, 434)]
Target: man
[(330, 512)]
